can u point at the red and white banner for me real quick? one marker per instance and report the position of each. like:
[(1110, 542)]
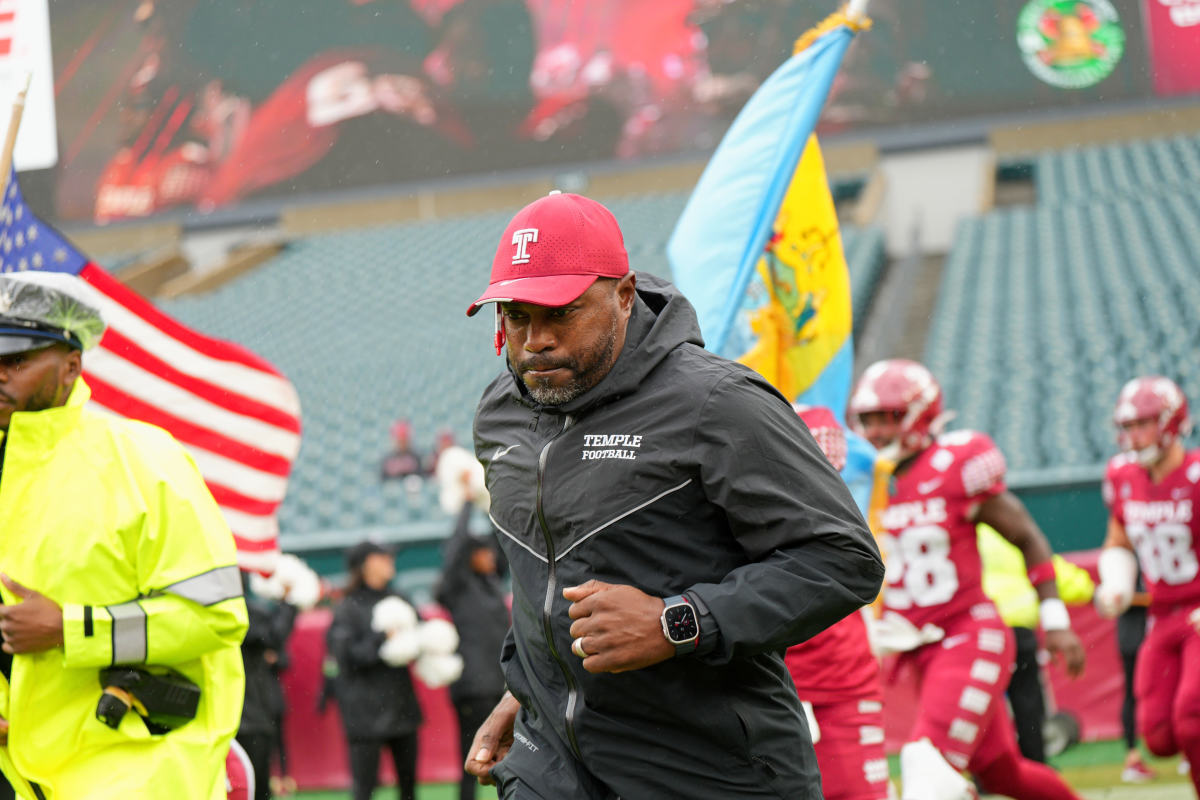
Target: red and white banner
[(1173, 29)]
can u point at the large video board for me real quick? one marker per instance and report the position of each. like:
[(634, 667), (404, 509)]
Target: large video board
[(205, 104)]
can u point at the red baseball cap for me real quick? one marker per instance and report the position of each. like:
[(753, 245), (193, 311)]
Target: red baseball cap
[(553, 250)]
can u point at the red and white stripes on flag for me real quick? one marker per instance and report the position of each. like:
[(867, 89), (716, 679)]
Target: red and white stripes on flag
[(8, 25), (234, 412)]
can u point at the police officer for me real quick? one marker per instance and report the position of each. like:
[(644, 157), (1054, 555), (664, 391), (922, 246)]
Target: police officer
[(113, 553)]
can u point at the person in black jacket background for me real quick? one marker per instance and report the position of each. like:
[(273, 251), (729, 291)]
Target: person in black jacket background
[(377, 702), (264, 655), (671, 526), (472, 590)]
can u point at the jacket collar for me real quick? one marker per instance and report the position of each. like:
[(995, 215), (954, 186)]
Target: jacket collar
[(39, 431)]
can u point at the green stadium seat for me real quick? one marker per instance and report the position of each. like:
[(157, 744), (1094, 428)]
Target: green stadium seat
[(1044, 312)]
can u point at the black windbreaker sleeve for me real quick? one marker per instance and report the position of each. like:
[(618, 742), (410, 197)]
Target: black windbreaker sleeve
[(813, 559)]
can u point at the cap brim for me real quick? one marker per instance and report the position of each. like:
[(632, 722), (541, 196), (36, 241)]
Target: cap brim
[(542, 290), (22, 344)]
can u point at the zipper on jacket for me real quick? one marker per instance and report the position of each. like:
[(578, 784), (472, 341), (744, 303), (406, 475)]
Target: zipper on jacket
[(552, 592)]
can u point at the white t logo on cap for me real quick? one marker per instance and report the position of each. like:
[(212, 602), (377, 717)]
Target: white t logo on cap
[(521, 239)]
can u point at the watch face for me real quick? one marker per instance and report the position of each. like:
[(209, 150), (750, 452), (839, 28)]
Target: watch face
[(681, 623)]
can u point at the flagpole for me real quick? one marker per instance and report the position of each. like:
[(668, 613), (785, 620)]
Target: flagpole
[(10, 139)]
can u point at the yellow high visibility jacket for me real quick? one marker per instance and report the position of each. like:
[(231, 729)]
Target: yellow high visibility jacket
[(111, 519), (1005, 580)]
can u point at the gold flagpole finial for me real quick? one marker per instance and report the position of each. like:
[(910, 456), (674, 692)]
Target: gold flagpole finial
[(854, 19)]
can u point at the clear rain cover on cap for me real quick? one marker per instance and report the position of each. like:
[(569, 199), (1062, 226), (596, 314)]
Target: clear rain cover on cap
[(53, 299)]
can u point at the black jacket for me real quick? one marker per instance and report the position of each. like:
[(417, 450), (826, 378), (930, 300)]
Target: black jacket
[(680, 472), (270, 626), (376, 701), (476, 604)]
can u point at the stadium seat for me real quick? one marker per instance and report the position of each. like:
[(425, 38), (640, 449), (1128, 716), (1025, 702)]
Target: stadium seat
[(1043, 312)]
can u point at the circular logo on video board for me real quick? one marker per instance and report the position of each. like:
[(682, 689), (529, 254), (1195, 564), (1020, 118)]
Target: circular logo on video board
[(1071, 44)]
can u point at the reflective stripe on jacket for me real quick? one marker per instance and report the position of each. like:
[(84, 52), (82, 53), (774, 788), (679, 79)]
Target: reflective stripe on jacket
[(111, 519)]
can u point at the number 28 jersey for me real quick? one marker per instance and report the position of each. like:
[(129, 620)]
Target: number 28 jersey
[(929, 539), (1163, 525)]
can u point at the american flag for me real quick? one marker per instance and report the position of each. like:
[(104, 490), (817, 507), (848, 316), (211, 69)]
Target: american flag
[(8, 17), (236, 414)]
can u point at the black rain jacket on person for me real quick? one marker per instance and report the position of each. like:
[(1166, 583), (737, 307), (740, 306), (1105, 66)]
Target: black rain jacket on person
[(679, 473), (476, 604), (376, 700), (270, 626)]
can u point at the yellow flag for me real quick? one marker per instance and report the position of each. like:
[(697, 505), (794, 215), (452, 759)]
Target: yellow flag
[(806, 320)]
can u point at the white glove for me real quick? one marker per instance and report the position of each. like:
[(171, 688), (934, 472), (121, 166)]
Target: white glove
[(436, 671), (393, 614), (1118, 576), (1112, 601), (400, 648), (893, 633), (928, 776)]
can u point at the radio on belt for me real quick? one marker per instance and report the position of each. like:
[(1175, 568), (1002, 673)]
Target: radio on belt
[(164, 699)]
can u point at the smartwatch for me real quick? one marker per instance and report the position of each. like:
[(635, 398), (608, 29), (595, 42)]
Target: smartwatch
[(680, 624)]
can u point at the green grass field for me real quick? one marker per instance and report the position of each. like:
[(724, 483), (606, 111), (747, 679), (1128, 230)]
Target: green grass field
[(1093, 768)]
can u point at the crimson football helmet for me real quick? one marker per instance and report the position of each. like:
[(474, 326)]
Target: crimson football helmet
[(910, 391), (1152, 397), (825, 429)]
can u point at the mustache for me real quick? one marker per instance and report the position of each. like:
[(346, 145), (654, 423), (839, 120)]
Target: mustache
[(544, 363)]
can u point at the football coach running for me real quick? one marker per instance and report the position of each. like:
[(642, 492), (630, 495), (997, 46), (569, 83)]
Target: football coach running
[(671, 526), (122, 607)]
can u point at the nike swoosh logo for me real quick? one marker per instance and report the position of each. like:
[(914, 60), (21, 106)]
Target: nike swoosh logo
[(929, 486), (501, 453), (954, 641)]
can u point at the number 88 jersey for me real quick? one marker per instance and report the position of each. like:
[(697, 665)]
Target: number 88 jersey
[(1162, 524), (929, 539)]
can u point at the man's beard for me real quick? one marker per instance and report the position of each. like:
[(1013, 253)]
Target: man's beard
[(46, 396), (587, 370)]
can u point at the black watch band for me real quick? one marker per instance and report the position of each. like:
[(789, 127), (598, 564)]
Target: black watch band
[(680, 624)]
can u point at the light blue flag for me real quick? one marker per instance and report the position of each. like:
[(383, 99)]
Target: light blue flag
[(718, 250)]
